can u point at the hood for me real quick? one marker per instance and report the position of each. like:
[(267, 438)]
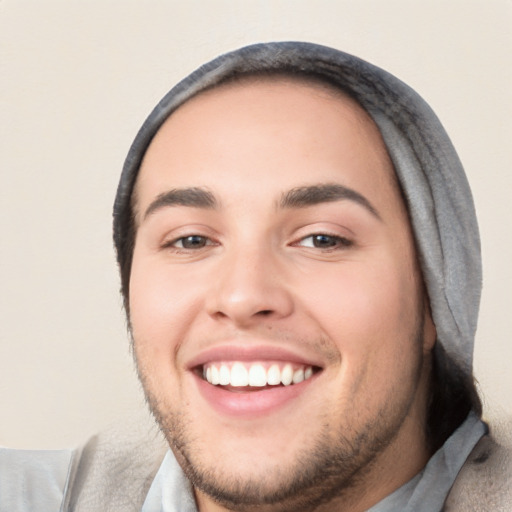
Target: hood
[(433, 181)]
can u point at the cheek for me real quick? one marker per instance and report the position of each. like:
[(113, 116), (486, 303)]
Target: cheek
[(160, 303), (371, 315), (160, 306), (366, 309)]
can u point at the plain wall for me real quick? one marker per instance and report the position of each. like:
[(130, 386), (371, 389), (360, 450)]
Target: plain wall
[(78, 79)]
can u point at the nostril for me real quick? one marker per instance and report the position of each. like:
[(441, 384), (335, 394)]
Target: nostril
[(265, 312)]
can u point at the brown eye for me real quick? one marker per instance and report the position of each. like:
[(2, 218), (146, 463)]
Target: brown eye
[(191, 242), (324, 241)]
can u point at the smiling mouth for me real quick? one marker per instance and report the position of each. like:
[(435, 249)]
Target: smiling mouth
[(255, 376)]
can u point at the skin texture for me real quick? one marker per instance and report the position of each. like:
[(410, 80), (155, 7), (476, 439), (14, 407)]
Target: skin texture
[(257, 280)]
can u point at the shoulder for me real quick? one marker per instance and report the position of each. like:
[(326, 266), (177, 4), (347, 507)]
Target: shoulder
[(116, 468), (34, 478), (485, 481), (112, 472)]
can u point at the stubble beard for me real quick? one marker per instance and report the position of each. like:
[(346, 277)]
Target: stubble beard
[(333, 466), (322, 473)]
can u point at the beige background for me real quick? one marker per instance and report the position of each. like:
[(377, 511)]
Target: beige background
[(77, 80)]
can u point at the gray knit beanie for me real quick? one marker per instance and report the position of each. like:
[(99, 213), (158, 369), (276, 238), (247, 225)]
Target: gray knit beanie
[(431, 176)]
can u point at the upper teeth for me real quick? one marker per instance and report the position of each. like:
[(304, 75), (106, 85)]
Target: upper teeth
[(238, 374)]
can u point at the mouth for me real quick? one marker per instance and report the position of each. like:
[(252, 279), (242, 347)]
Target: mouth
[(239, 376), (253, 381)]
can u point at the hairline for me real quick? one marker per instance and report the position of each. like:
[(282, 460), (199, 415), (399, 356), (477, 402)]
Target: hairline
[(315, 82)]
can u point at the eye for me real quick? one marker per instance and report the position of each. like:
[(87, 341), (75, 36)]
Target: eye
[(190, 242), (324, 241)]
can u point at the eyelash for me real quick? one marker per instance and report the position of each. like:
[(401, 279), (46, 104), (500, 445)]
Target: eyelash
[(334, 242), (172, 244)]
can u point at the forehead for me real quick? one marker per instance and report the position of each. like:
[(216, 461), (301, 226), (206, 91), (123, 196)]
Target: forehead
[(301, 98), (249, 123)]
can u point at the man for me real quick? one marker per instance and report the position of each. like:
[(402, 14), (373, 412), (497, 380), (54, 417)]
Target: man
[(300, 267)]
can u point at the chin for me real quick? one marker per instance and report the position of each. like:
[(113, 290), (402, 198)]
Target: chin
[(318, 467)]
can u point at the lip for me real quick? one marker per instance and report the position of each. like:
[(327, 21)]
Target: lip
[(250, 404), (251, 353)]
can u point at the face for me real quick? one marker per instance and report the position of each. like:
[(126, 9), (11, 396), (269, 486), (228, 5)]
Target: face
[(276, 304)]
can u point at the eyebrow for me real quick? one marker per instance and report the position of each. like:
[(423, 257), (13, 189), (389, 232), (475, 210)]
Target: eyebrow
[(302, 197), (194, 197)]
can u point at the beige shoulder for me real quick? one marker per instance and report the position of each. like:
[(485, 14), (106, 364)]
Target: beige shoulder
[(115, 468), (484, 483)]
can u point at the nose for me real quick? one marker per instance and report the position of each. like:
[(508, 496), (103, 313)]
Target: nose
[(250, 287)]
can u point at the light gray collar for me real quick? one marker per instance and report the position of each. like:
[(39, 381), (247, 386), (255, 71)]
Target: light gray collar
[(428, 490)]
